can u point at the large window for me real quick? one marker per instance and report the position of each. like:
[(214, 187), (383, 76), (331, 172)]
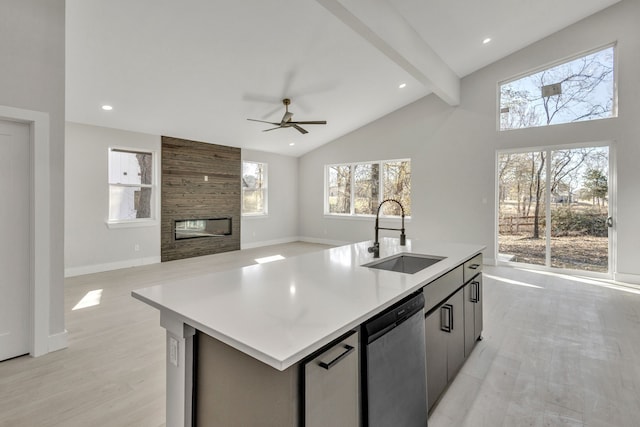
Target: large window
[(358, 188), (576, 90), (254, 188), (131, 189)]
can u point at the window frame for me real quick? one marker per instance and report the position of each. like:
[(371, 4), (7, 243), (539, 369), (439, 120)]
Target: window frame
[(555, 63), (135, 222), (265, 189), (352, 184)]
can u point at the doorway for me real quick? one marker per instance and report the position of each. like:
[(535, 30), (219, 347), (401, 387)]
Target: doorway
[(553, 208), (15, 190)]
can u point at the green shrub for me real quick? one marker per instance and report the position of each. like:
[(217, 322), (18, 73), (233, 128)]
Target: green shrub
[(566, 222)]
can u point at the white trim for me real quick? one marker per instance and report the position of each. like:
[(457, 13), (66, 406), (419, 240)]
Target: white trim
[(117, 265), (324, 241), (40, 239), (627, 278), (132, 223), (58, 341), (269, 242)]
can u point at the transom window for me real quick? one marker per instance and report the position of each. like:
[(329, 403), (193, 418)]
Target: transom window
[(131, 188), (358, 188), (576, 90), (254, 188)]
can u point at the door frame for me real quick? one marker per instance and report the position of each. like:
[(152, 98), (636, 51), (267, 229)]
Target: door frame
[(39, 227), (612, 243)]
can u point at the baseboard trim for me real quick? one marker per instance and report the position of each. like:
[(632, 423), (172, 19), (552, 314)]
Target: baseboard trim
[(98, 268), (269, 242), (332, 242), (58, 341), (627, 278)]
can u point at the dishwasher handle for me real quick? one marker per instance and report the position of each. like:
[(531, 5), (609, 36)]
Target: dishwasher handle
[(348, 349)]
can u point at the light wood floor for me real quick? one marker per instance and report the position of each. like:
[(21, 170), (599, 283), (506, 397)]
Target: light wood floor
[(557, 351)]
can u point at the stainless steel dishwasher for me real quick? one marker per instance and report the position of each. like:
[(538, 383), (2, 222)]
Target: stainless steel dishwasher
[(394, 363)]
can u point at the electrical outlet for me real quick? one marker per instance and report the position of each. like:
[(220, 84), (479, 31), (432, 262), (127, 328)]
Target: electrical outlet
[(173, 351), (206, 178)]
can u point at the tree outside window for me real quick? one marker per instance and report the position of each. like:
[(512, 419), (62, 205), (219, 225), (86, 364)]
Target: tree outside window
[(254, 188), (577, 90), (130, 185), (358, 188)]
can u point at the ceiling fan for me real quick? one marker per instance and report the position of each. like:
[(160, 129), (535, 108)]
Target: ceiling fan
[(286, 120)]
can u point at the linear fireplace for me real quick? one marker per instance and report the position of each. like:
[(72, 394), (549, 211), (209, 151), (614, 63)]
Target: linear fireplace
[(194, 228)]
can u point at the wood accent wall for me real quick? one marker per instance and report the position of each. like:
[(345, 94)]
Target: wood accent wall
[(186, 194)]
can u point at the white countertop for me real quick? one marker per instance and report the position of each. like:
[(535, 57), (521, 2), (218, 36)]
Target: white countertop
[(283, 311)]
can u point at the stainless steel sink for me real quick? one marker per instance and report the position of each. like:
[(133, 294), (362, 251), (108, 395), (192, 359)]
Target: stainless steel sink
[(405, 263)]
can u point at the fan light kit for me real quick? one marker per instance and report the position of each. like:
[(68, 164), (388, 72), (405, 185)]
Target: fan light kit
[(286, 120)]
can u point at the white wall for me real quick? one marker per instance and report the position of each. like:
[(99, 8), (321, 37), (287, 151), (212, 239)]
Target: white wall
[(90, 245), (281, 224), (453, 149), (32, 78)]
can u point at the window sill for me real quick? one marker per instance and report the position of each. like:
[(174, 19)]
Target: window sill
[(255, 216), (134, 223)]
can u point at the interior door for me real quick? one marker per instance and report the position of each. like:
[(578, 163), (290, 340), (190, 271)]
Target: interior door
[(14, 240)]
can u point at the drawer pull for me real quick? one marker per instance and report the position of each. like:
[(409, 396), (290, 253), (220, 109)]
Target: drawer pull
[(327, 366), (474, 266)]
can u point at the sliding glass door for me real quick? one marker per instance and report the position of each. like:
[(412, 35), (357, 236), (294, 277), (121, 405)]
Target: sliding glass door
[(553, 208)]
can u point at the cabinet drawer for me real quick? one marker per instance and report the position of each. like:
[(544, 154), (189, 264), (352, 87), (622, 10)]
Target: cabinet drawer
[(332, 386), (438, 290), (472, 267)]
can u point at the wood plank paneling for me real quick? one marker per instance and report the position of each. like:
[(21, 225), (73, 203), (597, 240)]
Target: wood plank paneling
[(186, 194)]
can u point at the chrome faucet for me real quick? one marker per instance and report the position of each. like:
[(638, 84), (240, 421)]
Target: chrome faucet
[(375, 249)]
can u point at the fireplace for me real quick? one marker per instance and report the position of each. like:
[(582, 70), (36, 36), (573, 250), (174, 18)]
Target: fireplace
[(195, 228)]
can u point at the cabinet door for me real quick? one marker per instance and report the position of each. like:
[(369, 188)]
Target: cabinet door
[(469, 320), (436, 346), (472, 313), (332, 386), (455, 338), (478, 308)]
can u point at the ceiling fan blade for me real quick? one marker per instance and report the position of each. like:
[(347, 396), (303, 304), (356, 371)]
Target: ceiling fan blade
[(313, 122), (267, 130), (299, 129), (262, 121)]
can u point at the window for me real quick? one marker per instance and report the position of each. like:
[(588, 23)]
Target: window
[(254, 188), (131, 189), (577, 90), (358, 188)]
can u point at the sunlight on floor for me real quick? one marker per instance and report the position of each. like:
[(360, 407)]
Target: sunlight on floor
[(511, 282), (603, 283), (269, 259), (89, 300)]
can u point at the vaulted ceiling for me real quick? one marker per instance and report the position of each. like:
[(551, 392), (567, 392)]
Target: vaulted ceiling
[(197, 69)]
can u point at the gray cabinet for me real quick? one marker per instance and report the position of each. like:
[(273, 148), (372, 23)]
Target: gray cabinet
[(472, 313), (472, 303), (444, 333), (332, 386)]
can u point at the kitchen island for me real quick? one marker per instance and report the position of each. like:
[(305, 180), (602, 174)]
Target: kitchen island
[(280, 313)]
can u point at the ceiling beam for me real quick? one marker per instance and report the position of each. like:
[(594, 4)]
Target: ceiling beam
[(385, 28)]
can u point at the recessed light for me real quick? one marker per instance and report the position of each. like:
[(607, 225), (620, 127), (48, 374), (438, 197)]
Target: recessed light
[(292, 144), (402, 86), (487, 40), (107, 107)]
